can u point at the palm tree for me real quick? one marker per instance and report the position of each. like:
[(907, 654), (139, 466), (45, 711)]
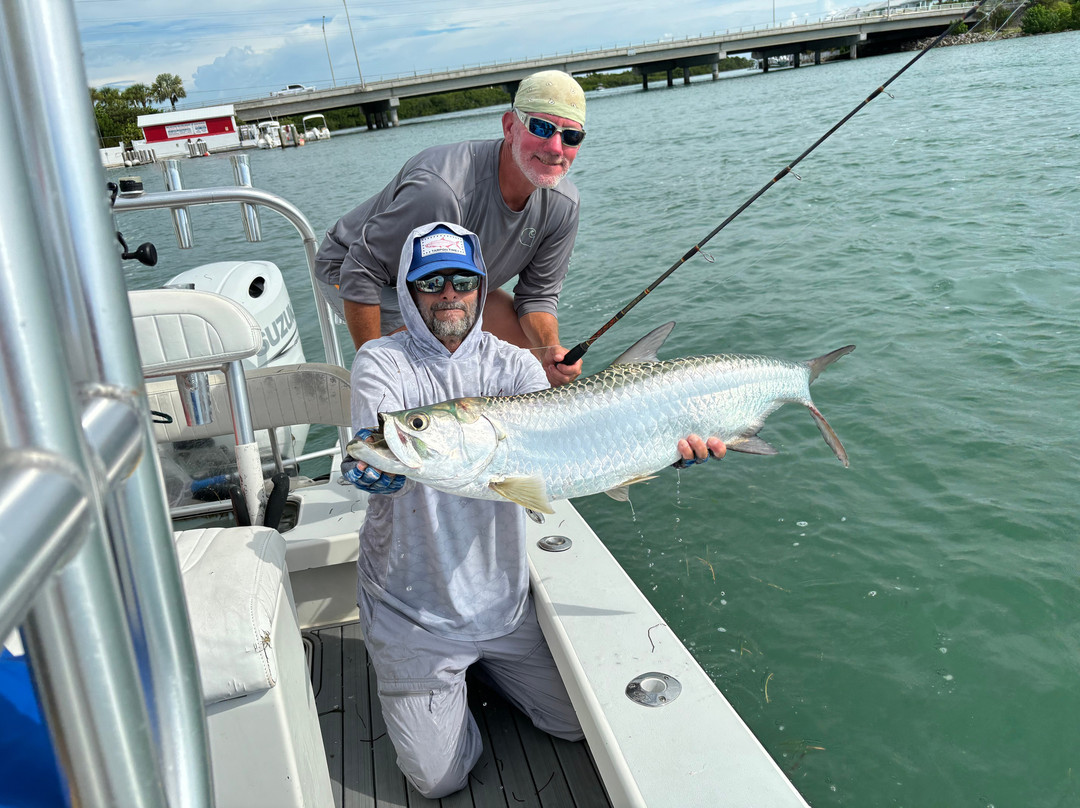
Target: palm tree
[(168, 87), (138, 94), (104, 95)]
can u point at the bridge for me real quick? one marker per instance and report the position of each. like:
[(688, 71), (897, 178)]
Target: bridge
[(379, 99)]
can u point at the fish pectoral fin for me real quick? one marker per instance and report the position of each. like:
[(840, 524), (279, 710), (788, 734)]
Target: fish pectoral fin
[(622, 492), (751, 444), (527, 491)]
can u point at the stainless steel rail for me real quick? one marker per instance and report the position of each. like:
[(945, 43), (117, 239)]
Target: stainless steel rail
[(108, 635), (172, 200)]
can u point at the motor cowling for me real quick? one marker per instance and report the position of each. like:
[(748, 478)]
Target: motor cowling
[(259, 287)]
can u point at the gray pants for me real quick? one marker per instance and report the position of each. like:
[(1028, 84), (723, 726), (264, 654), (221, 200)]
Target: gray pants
[(389, 313), (422, 690)]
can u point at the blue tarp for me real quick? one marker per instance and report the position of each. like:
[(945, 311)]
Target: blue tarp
[(29, 774)]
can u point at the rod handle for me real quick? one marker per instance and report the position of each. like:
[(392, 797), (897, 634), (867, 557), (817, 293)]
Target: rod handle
[(574, 354)]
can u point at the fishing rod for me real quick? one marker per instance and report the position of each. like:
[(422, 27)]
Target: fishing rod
[(578, 351)]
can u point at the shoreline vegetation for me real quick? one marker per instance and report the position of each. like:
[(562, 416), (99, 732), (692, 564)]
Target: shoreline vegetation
[(116, 111)]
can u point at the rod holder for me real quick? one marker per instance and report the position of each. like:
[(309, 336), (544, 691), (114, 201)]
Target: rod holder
[(170, 170), (195, 397), (249, 213)]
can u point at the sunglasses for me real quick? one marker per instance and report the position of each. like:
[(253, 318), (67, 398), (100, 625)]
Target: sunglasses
[(571, 138), (435, 283)]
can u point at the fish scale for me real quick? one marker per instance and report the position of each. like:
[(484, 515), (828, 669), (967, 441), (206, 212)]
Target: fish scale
[(599, 433), (624, 422)]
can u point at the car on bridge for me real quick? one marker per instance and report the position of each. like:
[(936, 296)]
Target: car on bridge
[(293, 89)]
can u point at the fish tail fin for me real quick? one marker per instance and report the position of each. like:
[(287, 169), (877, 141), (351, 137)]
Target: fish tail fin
[(827, 431), (822, 362)]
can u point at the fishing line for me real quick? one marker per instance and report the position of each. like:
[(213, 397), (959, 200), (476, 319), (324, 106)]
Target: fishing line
[(575, 353)]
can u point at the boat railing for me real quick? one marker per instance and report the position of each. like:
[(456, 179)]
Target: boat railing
[(88, 570), (178, 200)]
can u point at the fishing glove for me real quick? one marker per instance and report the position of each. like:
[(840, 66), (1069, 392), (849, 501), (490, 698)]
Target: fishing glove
[(683, 463), (370, 479)]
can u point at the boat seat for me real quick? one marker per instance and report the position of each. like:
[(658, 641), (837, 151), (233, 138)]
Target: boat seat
[(285, 395), (185, 331), (265, 741)]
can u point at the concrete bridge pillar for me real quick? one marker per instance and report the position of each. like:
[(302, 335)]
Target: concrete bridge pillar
[(716, 70), (381, 114), (670, 77), (853, 52), (685, 74), (817, 56), (795, 60), (645, 79), (764, 63)]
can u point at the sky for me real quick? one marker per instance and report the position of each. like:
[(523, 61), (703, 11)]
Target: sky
[(228, 50)]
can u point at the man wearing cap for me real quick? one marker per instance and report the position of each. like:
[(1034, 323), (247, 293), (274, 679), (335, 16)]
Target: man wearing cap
[(510, 192), (444, 580)]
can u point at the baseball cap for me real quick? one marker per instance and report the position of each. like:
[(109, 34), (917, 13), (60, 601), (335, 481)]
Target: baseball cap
[(552, 92), (442, 248)]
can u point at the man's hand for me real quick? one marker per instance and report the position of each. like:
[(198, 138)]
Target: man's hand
[(694, 450), (367, 478), (558, 373)]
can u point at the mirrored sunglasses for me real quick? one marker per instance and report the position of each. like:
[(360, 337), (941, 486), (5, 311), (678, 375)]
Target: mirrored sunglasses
[(435, 283), (571, 137)]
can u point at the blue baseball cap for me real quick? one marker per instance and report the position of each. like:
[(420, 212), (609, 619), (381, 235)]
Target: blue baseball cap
[(442, 248)]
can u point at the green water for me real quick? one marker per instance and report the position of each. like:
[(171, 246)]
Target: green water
[(903, 632)]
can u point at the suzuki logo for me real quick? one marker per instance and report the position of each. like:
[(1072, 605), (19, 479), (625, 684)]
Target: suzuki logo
[(280, 328)]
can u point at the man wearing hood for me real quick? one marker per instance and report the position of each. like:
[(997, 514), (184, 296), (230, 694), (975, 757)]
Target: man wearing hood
[(444, 580), (510, 191)]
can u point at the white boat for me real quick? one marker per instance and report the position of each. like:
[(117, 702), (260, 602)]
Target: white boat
[(315, 127), (181, 661), (269, 135)]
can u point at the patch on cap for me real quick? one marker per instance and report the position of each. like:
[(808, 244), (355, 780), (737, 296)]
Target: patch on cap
[(554, 93), (441, 243)]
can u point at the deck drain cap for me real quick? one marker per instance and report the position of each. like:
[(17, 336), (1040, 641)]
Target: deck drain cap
[(653, 689), (554, 544)]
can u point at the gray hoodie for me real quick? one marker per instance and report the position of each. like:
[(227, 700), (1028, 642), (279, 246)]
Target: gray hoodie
[(456, 566)]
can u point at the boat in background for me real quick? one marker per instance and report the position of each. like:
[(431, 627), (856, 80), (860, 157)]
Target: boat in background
[(269, 135), (315, 127), (119, 600)]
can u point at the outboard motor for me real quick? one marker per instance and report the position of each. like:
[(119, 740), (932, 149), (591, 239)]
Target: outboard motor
[(259, 288)]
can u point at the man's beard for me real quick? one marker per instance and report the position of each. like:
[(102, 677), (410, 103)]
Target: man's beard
[(523, 162), (456, 328)]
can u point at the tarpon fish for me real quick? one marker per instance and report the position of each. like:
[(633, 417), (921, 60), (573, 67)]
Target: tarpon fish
[(603, 432)]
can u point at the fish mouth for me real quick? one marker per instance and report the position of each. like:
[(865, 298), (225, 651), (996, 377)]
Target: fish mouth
[(375, 451)]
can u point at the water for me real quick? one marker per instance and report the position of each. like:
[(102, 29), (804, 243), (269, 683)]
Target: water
[(903, 632)]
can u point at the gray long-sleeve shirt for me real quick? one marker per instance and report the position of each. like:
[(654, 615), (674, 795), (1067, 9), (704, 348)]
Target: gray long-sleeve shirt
[(456, 183)]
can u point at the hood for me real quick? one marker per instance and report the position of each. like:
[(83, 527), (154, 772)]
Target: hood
[(418, 330)]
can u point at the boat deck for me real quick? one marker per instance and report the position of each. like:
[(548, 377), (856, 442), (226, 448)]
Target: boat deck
[(520, 766)]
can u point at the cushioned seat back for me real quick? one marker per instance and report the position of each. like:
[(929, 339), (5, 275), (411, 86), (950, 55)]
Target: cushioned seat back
[(182, 330)]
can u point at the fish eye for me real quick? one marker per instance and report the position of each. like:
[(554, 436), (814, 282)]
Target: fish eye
[(417, 420)]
